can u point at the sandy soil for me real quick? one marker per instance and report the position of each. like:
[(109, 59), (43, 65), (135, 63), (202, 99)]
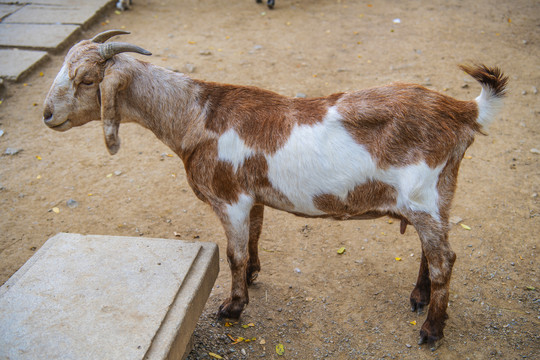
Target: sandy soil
[(308, 298)]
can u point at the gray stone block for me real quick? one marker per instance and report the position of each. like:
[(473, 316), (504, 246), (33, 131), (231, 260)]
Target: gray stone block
[(15, 63), (36, 36), (45, 14), (56, 2), (6, 9), (106, 297)]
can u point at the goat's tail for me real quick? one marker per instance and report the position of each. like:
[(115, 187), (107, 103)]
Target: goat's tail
[(493, 83)]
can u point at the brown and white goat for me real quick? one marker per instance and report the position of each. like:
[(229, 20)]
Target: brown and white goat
[(391, 150)]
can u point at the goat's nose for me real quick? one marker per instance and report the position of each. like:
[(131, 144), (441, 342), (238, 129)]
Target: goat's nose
[(47, 115)]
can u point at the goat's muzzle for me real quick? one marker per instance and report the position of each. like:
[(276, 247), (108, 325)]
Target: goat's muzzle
[(55, 124)]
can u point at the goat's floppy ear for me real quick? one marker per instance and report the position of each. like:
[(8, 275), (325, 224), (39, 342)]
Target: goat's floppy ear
[(110, 116)]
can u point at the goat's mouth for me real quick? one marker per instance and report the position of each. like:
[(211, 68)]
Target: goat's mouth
[(66, 125)]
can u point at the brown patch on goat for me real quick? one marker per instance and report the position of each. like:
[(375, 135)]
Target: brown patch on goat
[(447, 184), (254, 172), (199, 164), (224, 183), (398, 123), (361, 200), (262, 119)]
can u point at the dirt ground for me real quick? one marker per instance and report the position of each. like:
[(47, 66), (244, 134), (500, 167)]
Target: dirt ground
[(313, 301)]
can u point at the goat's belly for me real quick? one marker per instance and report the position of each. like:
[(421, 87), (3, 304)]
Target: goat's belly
[(317, 160)]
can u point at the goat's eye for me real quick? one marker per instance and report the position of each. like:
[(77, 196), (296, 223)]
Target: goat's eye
[(87, 82)]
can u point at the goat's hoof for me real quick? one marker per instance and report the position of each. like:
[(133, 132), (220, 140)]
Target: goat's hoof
[(418, 306), (251, 277), (231, 309), (271, 4), (252, 272), (433, 338), (418, 302)]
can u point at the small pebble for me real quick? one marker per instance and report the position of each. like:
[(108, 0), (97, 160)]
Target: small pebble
[(535, 151), (534, 90), (118, 173), (455, 220), (190, 68), (72, 204), (205, 52), (12, 151), (524, 92), (408, 345), (1, 132), (297, 270), (300, 95), (243, 351)]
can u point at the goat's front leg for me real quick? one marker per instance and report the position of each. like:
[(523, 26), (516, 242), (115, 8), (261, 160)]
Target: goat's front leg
[(235, 219), (255, 226), (422, 291), (440, 259)]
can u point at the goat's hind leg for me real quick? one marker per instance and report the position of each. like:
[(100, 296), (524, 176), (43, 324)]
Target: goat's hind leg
[(439, 260), (255, 226)]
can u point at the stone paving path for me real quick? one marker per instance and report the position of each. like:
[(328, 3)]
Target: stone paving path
[(30, 29)]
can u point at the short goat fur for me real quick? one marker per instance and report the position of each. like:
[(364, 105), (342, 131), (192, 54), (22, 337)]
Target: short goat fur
[(391, 150)]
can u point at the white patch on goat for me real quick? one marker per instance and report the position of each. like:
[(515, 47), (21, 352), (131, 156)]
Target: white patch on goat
[(60, 97), (416, 186), (238, 216), (319, 159), (232, 148), (325, 159), (62, 80), (488, 106), (238, 212)]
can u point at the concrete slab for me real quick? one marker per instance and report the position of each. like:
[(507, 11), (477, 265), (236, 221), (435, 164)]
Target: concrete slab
[(7, 9), (53, 2), (36, 36), (15, 63), (106, 297), (45, 14)]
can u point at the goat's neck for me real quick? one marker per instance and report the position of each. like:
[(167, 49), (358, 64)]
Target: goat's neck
[(166, 103)]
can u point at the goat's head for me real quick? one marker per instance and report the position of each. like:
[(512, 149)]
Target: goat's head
[(85, 89)]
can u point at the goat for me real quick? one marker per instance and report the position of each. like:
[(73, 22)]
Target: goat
[(269, 3), (392, 150), (123, 4)]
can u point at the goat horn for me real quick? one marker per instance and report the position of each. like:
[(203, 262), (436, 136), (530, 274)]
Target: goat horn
[(106, 35), (108, 50)]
